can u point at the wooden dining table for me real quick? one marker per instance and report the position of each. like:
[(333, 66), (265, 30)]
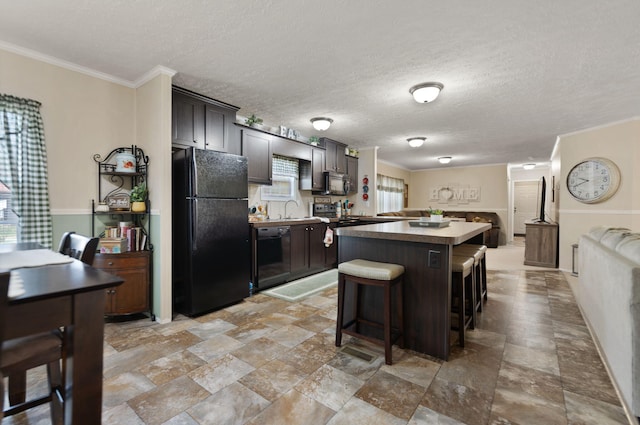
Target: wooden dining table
[(69, 296)]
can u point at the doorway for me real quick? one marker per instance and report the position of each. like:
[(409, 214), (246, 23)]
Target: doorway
[(525, 201)]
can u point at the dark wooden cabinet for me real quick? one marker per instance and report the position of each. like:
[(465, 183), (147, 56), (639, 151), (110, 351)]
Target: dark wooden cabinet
[(541, 245), (256, 146), (290, 148), (187, 121), (299, 250), (134, 293), (335, 159), (331, 252), (352, 174), (317, 168), (308, 253), (203, 123)]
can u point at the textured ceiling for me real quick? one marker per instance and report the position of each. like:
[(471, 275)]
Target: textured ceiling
[(516, 73)]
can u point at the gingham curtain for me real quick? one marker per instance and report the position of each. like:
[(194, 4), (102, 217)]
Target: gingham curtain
[(23, 167)]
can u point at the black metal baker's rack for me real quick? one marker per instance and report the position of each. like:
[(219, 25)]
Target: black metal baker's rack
[(107, 170)]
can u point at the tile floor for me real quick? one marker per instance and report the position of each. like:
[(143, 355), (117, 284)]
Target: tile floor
[(531, 360)]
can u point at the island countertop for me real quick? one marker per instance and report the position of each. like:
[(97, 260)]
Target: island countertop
[(456, 233)]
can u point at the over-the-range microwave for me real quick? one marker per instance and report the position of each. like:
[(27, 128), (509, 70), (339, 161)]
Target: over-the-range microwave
[(335, 183)]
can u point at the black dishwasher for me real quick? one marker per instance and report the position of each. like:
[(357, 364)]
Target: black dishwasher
[(274, 256)]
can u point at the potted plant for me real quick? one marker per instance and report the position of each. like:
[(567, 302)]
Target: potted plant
[(436, 215), (254, 121), (138, 197), (313, 140)]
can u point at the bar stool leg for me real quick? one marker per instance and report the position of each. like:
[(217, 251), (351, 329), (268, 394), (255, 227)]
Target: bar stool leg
[(483, 263), (473, 302), (387, 323), (479, 285), (461, 313), (400, 314), (340, 318)]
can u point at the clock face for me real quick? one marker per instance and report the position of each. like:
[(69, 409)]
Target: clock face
[(593, 180)]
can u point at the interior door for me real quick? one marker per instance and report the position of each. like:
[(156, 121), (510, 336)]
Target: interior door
[(524, 204)]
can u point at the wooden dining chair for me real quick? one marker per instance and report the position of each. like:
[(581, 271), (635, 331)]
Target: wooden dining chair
[(80, 247), (22, 354), (4, 289)]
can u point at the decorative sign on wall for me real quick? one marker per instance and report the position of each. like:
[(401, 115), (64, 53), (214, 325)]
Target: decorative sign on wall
[(454, 194)]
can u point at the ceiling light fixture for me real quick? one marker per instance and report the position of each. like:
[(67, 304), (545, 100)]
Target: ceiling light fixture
[(426, 92), (416, 142), (444, 159), (529, 166), (321, 123)]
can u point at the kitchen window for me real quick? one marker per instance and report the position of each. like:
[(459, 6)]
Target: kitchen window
[(284, 179), (23, 169), (8, 217)]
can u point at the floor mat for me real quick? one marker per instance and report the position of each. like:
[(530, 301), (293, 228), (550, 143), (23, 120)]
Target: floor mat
[(304, 287)]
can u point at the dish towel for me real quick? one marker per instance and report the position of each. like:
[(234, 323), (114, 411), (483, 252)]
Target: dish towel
[(328, 237)]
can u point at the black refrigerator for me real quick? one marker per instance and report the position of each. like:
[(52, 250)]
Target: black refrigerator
[(211, 250)]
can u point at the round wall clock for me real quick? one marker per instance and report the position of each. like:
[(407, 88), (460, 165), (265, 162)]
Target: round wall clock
[(593, 180)]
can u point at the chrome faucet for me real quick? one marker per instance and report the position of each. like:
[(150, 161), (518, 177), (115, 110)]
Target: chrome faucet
[(285, 207)]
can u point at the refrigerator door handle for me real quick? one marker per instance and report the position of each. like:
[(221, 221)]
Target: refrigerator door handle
[(194, 225), (194, 170)]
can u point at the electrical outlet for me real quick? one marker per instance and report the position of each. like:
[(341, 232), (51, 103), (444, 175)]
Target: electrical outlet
[(435, 259)]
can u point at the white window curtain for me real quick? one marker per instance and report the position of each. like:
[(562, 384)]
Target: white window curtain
[(390, 193), (23, 167)]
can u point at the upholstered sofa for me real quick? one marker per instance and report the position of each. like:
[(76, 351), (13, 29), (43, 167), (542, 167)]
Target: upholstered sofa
[(608, 293), (491, 237)]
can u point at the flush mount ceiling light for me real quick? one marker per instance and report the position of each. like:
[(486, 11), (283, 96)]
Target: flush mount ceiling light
[(529, 166), (321, 123), (426, 92), (416, 142), (444, 159)]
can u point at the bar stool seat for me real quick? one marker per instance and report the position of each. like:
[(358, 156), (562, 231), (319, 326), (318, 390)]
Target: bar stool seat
[(463, 280), (371, 273), (480, 266)]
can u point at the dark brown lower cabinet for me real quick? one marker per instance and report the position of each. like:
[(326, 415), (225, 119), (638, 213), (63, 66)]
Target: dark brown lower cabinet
[(133, 295), (308, 252)]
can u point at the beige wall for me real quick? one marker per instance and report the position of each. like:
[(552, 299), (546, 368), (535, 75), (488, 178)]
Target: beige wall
[(391, 170), (367, 166), (82, 116), (153, 132), (618, 142), (86, 115)]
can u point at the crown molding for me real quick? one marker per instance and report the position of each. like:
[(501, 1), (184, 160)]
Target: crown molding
[(153, 73), (32, 54)]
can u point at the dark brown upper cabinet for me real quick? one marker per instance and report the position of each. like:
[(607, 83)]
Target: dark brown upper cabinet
[(203, 123), (335, 159)]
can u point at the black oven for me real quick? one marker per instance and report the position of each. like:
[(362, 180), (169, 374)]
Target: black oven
[(273, 256)]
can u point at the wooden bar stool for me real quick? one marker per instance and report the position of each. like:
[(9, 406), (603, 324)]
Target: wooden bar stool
[(480, 266), (463, 292), (385, 275)]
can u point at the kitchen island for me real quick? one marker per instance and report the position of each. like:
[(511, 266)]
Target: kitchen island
[(425, 252)]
